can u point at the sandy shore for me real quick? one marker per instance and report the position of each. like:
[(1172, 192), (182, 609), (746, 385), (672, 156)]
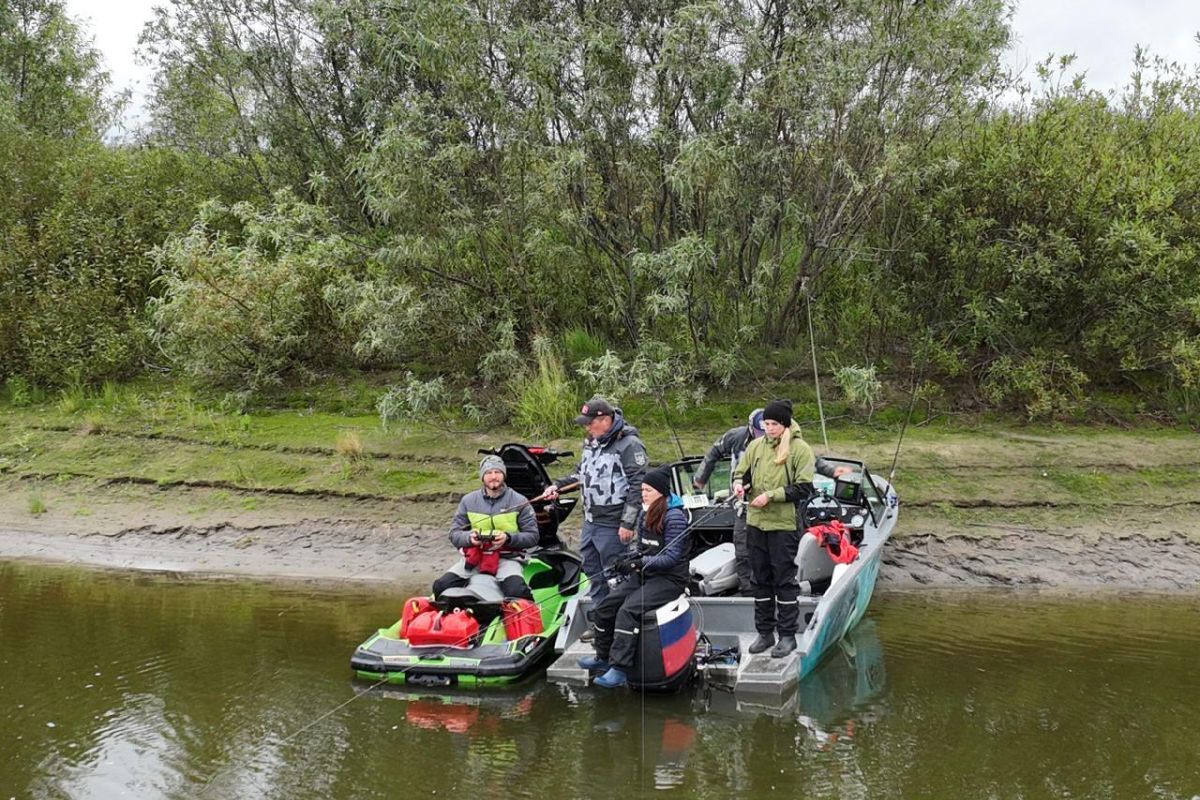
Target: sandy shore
[(202, 533)]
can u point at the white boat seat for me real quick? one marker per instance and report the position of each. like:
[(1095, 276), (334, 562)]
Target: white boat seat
[(813, 564)]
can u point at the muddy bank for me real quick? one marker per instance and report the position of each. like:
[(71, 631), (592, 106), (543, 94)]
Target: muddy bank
[(347, 550), (1135, 563), (323, 550)]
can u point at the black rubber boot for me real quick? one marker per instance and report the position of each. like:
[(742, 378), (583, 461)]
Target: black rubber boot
[(786, 645), (763, 643)]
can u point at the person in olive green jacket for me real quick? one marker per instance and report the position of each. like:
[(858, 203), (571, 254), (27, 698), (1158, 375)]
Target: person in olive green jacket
[(775, 473)]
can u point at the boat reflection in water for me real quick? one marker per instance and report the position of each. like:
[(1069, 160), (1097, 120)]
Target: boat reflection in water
[(663, 741), (845, 690)]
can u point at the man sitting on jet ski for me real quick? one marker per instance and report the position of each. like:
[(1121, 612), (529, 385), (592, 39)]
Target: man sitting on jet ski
[(491, 527)]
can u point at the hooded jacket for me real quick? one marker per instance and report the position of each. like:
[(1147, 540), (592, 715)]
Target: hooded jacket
[(611, 472), (785, 483), (731, 445), (480, 512)]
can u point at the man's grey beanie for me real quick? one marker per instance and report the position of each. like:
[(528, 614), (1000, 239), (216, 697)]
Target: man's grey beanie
[(490, 463)]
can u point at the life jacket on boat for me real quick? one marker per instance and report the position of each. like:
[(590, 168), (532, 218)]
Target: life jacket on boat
[(835, 538)]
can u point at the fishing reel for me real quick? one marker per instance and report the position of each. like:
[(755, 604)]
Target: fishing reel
[(625, 567)]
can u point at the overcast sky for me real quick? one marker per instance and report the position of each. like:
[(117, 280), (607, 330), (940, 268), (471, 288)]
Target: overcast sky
[(1101, 33)]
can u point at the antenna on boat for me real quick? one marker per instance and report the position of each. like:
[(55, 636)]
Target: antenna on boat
[(813, 343)]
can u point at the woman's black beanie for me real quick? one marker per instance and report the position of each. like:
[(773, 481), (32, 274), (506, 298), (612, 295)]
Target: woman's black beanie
[(780, 411), (659, 479)]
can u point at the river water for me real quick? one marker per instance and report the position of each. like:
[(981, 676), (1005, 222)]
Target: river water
[(115, 685)]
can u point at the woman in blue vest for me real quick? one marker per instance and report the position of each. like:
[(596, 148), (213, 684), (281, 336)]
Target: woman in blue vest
[(658, 573)]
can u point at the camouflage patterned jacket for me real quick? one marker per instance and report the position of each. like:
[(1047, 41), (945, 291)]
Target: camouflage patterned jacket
[(611, 472)]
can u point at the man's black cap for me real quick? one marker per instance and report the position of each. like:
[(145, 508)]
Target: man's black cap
[(596, 407)]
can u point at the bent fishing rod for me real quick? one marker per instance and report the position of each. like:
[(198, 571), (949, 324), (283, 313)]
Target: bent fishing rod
[(570, 487)]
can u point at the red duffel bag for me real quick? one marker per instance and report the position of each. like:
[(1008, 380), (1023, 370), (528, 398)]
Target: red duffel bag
[(521, 618), (446, 628)]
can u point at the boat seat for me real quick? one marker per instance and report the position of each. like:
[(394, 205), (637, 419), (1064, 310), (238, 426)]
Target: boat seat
[(480, 590), (813, 564), (561, 571), (481, 596)]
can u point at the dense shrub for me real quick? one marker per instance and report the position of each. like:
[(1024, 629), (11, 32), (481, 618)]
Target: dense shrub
[(243, 293), (1057, 245)]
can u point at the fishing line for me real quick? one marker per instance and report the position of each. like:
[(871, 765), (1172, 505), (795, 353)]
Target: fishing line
[(373, 565), (411, 548), (389, 676), (816, 377), (291, 736), (386, 678)]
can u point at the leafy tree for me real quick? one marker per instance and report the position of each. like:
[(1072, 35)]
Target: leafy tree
[(1057, 242), (49, 73)]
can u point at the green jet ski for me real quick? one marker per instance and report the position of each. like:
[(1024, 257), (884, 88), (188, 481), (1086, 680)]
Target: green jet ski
[(485, 654)]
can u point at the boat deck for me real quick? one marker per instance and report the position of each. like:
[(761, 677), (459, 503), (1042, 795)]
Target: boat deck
[(726, 622)]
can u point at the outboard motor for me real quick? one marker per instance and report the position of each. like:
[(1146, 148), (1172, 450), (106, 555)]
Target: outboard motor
[(714, 572), (666, 654)]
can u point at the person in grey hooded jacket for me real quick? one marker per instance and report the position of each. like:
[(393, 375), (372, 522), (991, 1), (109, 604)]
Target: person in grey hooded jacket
[(610, 473), (491, 527), (730, 446)]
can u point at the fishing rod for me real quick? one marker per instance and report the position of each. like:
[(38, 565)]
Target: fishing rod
[(570, 487), (605, 572), (683, 536), (816, 376), (667, 418), (912, 401), (464, 641)]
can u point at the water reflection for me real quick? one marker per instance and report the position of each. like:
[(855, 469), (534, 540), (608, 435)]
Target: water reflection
[(156, 688), (655, 735), (847, 687)]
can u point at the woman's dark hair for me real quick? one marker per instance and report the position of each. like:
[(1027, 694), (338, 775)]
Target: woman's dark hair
[(655, 515)]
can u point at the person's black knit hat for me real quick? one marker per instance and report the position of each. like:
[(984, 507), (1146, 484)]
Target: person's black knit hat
[(660, 479), (780, 411)]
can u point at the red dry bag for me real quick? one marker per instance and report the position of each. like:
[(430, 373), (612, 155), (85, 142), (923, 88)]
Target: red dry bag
[(521, 618)]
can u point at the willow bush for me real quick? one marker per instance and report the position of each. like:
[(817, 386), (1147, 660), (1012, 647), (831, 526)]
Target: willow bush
[(667, 190), (1057, 246)]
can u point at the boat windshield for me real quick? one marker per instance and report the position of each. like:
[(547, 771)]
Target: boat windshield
[(878, 504), (715, 490)]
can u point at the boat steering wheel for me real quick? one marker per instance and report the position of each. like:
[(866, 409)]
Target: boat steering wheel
[(819, 508)]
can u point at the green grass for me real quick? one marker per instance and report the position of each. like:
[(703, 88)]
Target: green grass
[(37, 506), (305, 441), (1086, 483)]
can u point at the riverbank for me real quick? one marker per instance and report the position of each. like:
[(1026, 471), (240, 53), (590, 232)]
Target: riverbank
[(162, 483), (226, 533)]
